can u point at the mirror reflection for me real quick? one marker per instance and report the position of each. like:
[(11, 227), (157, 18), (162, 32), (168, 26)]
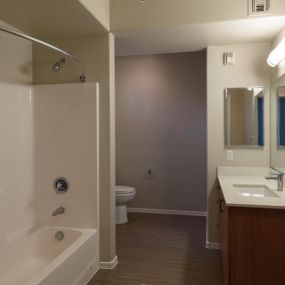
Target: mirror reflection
[(244, 117), (277, 129), (281, 116)]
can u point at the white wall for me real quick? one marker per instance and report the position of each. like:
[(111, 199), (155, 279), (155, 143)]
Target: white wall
[(15, 57), (17, 203), (93, 52), (161, 125), (100, 9), (250, 69)]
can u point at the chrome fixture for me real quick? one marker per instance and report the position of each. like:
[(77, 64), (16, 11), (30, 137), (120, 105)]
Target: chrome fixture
[(56, 66), (59, 235), (279, 177), (58, 211), (61, 185), (49, 46)]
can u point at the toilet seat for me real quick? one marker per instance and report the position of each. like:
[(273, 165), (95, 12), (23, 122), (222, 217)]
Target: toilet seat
[(124, 189)]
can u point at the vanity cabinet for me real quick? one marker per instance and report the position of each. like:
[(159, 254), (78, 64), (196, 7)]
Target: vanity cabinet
[(252, 245)]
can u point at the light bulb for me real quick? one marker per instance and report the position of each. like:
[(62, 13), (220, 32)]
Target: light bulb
[(277, 55)]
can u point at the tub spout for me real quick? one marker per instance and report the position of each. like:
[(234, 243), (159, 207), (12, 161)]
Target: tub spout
[(58, 211)]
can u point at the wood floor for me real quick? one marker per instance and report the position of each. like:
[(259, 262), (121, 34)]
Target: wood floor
[(162, 250)]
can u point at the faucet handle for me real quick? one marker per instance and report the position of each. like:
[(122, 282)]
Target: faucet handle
[(271, 177), (279, 172), (279, 176)]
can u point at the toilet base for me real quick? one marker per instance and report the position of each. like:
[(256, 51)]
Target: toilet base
[(121, 214)]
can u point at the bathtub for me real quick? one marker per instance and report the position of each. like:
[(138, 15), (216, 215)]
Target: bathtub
[(40, 259)]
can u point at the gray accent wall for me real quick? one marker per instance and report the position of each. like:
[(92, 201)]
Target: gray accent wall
[(161, 126)]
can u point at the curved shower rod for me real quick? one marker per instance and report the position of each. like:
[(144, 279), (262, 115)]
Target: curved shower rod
[(47, 45)]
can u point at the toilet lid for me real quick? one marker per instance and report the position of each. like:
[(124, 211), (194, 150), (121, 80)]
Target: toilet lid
[(124, 189)]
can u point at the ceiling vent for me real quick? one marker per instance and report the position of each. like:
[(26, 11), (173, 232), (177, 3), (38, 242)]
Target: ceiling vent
[(259, 7)]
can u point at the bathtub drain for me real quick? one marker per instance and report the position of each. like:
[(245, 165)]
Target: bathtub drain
[(59, 235)]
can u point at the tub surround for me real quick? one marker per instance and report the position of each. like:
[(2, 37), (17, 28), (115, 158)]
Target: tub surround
[(231, 178), (17, 213), (66, 145), (49, 131)]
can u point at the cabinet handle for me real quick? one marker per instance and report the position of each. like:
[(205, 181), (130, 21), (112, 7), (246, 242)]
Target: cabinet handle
[(221, 205)]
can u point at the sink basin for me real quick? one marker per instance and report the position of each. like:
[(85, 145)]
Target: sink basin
[(256, 191)]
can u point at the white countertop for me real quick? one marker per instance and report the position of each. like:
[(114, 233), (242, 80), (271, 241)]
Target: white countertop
[(230, 176)]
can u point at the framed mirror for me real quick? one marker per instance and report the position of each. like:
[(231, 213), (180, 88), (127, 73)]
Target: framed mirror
[(277, 109), (244, 117)]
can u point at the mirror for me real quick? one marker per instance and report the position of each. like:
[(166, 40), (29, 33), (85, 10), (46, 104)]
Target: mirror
[(278, 123), (244, 117), (280, 116)]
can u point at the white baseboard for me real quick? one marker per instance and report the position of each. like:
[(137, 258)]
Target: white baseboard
[(167, 212), (213, 245), (109, 265)]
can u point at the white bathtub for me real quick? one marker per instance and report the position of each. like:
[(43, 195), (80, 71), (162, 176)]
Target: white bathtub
[(39, 259)]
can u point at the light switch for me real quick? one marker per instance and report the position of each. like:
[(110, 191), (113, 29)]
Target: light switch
[(230, 154)]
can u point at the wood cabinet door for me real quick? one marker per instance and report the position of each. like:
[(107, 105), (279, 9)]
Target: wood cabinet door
[(224, 240), (257, 251)]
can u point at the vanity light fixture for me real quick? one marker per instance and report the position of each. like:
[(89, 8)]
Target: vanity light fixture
[(277, 55)]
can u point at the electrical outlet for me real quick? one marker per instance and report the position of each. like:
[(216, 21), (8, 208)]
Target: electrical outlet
[(230, 155)]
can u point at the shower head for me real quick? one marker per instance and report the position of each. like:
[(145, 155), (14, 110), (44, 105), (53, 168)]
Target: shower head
[(56, 66)]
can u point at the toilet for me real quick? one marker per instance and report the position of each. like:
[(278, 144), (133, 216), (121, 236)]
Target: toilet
[(124, 194)]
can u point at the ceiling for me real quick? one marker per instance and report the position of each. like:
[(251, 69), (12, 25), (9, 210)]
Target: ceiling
[(49, 18), (136, 14), (45, 18), (197, 36)]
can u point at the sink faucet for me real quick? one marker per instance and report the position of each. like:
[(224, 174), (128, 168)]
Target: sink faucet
[(278, 177), (58, 211)]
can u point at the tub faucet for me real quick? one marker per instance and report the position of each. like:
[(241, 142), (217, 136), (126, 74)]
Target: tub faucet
[(279, 178), (58, 211)]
